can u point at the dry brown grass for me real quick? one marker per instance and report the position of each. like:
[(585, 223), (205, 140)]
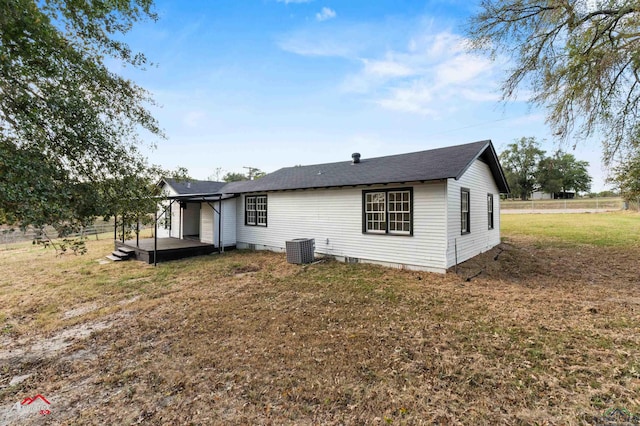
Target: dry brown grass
[(544, 335)]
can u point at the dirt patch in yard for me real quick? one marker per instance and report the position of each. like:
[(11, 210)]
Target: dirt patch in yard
[(537, 334)]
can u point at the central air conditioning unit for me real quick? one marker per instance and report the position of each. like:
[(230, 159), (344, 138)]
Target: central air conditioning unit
[(300, 250)]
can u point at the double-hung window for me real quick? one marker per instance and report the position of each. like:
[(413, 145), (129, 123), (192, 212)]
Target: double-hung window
[(490, 210), (465, 211), (388, 212), (255, 210)]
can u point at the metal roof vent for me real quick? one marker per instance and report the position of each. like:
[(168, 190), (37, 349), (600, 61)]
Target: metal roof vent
[(355, 158)]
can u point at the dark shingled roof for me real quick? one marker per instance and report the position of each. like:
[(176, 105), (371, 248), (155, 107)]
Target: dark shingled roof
[(434, 164), (200, 187)]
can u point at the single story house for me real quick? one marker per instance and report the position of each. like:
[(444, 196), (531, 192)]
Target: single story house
[(426, 210), (541, 195)]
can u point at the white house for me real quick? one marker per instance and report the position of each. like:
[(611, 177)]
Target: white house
[(425, 210)]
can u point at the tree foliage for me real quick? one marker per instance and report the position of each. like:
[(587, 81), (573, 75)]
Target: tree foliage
[(627, 177), (580, 59), (234, 177), (520, 161), (69, 126), (562, 173)]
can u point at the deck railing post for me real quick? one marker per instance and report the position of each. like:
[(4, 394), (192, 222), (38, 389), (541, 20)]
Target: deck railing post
[(123, 228), (138, 232), (115, 227)]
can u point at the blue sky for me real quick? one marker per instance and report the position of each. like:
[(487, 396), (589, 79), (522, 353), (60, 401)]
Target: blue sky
[(276, 83)]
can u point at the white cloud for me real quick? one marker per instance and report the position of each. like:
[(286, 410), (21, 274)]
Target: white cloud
[(324, 47), (461, 68), (420, 69), (324, 40), (433, 74), (386, 68), (415, 99), (325, 14)]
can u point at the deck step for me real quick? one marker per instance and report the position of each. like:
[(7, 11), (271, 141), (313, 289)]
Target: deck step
[(127, 250), (121, 254), (114, 258)]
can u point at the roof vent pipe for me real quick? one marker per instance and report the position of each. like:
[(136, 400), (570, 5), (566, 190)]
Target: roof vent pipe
[(355, 158)]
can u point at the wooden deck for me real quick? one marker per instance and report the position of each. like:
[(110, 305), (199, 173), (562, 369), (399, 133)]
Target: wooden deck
[(168, 248)]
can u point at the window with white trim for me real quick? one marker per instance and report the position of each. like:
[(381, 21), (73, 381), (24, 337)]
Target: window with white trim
[(255, 210), (388, 212), (490, 210), (465, 211)]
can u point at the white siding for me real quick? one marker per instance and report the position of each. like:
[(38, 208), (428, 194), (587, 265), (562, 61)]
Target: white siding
[(208, 227), (479, 180), (209, 223), (229, 218), (333, 217)]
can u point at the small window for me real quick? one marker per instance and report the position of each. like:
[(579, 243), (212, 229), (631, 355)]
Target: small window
[(490, 210), (465, 211), (388, 212), (255, 210)]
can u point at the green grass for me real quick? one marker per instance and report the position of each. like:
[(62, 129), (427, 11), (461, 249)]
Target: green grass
[(617, 229)]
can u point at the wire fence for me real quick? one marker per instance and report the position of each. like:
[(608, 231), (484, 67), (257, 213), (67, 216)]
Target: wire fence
[(596, 203), (12, 235)]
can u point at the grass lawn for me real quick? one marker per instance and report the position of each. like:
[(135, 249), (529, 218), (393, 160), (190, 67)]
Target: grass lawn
[(545, 333), (619, 229)]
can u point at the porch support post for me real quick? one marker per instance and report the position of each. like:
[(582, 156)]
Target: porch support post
[(123, 228), (138, 232), (220, 247), (168, 216), (219, 211), (155, 239), (115, 227)]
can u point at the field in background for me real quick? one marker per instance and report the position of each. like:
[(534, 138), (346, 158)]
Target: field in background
[(542, 329), (617, 229)]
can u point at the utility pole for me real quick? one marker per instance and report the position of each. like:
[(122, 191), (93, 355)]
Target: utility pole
[(251, 171)]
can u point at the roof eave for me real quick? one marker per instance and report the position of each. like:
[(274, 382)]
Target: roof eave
[(494, 165)]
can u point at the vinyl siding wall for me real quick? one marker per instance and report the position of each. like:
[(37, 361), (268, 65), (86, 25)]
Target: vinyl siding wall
[(209, 223), (479, 180), (333, 217)]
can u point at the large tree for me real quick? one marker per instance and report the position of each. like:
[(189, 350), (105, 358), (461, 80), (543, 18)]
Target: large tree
[(69, 126), (562, 172), (627, 177), (520, 161), (578, 58)]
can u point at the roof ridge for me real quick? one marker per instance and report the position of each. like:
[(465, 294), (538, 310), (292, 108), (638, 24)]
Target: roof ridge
[(363, 159)]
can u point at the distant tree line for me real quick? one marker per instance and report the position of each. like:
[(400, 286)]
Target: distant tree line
[(253, 174), (527, 170)]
